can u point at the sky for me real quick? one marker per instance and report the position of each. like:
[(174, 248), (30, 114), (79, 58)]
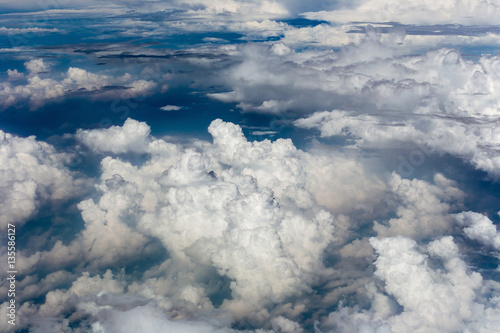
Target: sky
[(250, 166)]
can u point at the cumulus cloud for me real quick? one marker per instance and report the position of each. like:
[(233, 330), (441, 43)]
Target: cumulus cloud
[(479, 228), (248, 228), (36, 66), (60, 303), (423, 209), (385, 79), (171, 108), (133, 136), (239, 235), (248, 213), (438, 294), (438, 102), (149, 319), (32, 173), (259, 7), (421, 12), (100, 302), (451, 111), (231, 219), (40, 88), (427, 299), (470, 140), (381, 97), (14, 75)]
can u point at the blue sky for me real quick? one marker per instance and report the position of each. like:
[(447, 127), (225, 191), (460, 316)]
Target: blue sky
[(253, 166)]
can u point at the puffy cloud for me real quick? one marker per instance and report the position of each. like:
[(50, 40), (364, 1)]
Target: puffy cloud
[(422, 212), (429, 299), (449, 108), (32, 173), (281, 324), (248, 213), (138, 88), (479, 228), (101, 242), (84, 79), (100, 304), (410, 37), (40, 88), (266, 76), (133, 136), (230, 219), (381, 97), (36, 66), (322, 34), (170, 108), (286, 170), (234, 234), (14, 75), (470, 140), (258, 7), (427, 296), (383, 80), (248, 234), (149, 319), (423, 209), (420, 12), (60, 303), (29, 288), (234, 210)]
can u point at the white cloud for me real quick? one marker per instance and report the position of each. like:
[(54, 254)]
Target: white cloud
[(246, 226), (263, 8), (479, 228), (133, 136), (237, 217), (14, 75), (428, 296), (149, 319), (36, 30), (431, 299), (423, 209), (40, 88), (36, 66), (81, 78), (139, 88), (61, 7), (60, 303), (418, 12), (171, 108), (322, 34), (208, 236), (468, 139), (439, 101), (224, 211), (32, 174), (237, 210)]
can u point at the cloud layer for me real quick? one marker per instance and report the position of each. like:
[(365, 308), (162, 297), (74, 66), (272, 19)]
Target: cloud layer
[(421, 12), (246, 229), (379, 216)]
